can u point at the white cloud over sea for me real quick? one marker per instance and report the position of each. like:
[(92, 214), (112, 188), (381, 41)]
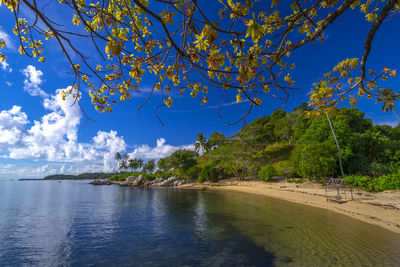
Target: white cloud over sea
[(161, 150), (50, 144), (54, 137)]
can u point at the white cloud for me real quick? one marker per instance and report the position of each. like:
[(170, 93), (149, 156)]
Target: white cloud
[(54, 137), (9, 84), (33, 81), (160, 151), (5, 66), (12, 124), (7, 40), (52, 140)]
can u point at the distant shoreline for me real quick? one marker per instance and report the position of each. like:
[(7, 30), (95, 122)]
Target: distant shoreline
[(60, 179)]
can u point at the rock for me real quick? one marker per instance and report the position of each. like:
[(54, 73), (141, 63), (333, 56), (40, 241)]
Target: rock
[(139, 180), (167, 182), (146, 184), (157, 180), (101, 182), (130, 179)]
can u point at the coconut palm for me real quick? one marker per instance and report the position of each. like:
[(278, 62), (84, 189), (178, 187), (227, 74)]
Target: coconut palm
[(123, 161), (149, 166), (133, 164), (140, 163), (118, 156), (123, 165), (201, 143)]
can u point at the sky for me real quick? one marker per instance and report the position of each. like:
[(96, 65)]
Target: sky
[(40, 134)]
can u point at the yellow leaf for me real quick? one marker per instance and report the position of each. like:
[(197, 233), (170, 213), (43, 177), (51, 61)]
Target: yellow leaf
[(238, 98)]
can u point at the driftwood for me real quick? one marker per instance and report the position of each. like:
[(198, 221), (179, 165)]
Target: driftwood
[(336, 184)]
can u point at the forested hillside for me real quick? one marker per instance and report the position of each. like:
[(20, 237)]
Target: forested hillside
[(293, 144)]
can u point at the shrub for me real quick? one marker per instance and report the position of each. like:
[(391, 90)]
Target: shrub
[(193, 172), (376, 169), (298, 181), (382, 183), (282, 167), (387, 182), (122, 176), (266, 172), (149, 176), (209, 172)]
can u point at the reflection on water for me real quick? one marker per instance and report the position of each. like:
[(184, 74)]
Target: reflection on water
[(46, 223)]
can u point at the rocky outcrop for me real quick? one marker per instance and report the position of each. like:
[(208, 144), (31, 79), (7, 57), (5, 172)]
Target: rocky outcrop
[(140, 181), (130, 179), (101, 182), (168, 182)]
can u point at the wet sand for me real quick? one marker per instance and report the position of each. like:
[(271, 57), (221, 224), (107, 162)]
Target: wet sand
[(382, 209)]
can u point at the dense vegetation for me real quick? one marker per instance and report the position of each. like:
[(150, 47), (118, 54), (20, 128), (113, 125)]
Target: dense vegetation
[(295, 145), (288, 144)]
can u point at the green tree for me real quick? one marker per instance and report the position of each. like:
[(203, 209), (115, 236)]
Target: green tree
[(313, 160), (140, 163), (133, 164), (285, 126), (164, 164), (149, 166), (175, 42), (118, 156), (216, 139), (180, 159), (123, 165)]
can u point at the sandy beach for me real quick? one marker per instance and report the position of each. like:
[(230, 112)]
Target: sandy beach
[(382, 209)]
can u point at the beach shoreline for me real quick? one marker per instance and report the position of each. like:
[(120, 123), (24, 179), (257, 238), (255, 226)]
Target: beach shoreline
[(381, 209)]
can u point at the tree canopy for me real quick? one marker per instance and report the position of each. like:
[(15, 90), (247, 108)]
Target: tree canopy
[(243, 46)]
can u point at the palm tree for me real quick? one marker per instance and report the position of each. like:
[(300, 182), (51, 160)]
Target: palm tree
[(201, 143), (123, 165), (123, 160), (140, 163), (133, 164), (149, 166), (118, 156)]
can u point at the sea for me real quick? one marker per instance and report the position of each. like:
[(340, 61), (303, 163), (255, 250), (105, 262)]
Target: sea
[(73, 223)]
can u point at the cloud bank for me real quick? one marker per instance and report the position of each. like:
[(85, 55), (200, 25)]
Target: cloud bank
[(55, 136), (50, 144), (160, 151)]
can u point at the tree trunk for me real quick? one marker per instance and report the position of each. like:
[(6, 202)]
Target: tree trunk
[(337, 144)]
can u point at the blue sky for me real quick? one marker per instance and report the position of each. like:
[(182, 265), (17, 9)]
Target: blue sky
[(40, 134)]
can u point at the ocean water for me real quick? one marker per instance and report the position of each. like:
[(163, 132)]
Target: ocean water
[(72, 223)]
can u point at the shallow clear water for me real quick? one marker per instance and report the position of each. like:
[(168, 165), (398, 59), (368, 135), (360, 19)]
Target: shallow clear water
[(72, 223)]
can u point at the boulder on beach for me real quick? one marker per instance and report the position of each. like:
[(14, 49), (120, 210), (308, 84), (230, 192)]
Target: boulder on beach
[(167, 182), (101, 182), (139, 180), (130, 179)]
